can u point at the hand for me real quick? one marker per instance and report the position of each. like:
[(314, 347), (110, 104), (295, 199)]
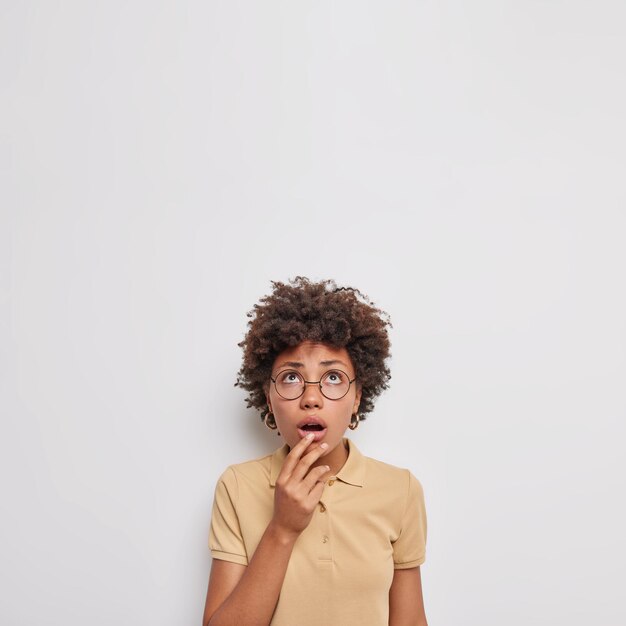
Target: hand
[(298, 488)]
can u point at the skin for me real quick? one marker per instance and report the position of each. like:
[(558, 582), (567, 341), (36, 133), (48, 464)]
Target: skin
[(247, 595)]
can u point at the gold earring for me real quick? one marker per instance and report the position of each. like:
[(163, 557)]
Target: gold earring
[(354, 421), (270, 421)]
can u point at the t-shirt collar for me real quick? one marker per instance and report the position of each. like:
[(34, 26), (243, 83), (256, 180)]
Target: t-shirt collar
[(352, 472)]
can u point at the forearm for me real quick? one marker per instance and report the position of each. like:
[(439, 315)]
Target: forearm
[(253, 600)]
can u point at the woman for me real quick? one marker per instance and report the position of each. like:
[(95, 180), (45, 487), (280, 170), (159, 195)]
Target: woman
[(316, 533)]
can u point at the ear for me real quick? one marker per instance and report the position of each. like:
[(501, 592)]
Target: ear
[(357, 399)]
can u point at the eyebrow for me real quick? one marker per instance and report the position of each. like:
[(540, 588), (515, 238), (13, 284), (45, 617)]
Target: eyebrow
[(299, 365)]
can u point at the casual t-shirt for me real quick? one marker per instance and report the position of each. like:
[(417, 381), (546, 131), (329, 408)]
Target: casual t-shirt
[(371, 520)]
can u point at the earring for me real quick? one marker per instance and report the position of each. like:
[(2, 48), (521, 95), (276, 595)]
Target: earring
[(270, 422), (354, 422)]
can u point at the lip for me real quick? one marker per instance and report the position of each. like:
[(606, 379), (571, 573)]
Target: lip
[(311, 419), (318, 435)]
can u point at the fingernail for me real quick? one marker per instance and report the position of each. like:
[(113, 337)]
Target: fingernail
[(323, 445), (310, 436)]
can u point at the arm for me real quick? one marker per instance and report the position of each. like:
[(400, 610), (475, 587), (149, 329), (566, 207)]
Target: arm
[(251, 591), (406, 604), (240, 595), (223, 579)]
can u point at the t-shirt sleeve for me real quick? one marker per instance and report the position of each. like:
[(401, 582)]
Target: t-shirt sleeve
[(225, 540), (409, 549)]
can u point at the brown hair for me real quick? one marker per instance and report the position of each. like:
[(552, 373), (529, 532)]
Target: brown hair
[(302, 310)]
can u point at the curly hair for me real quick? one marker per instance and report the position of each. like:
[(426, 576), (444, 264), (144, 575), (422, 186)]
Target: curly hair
[(301, 310)]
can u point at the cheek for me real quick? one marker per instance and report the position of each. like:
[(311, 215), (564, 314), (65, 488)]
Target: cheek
[(343, 414), (283, 413)]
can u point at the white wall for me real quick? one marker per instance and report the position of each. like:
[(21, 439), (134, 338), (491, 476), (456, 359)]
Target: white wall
[(460, 162)]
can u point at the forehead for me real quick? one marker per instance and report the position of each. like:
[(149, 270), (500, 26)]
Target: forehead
[(311, 353)]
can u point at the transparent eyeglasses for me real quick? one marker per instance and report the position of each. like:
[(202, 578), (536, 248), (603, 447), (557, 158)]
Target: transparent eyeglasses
[(290, 384)]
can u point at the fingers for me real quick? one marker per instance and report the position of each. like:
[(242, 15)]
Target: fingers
[(315, 494), (314, 477), (307, 460), (294, 456), (299, 486)]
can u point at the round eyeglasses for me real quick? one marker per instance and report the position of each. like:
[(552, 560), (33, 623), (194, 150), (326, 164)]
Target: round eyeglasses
[(290, 384)]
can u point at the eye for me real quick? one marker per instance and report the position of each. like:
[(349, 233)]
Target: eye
[(334, 378), (289, 378)]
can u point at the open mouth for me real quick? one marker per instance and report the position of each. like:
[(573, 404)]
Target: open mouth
[(311, 428)]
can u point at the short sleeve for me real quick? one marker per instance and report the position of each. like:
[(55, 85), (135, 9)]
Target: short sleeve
[(225, 540), (409, 549)]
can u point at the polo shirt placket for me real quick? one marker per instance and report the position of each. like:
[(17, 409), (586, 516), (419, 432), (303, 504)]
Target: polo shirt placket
[(350, 476), (323, 522)]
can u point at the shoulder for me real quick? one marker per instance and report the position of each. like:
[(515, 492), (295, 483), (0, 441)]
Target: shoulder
[(253, 471), (398, 483), (398, 479)]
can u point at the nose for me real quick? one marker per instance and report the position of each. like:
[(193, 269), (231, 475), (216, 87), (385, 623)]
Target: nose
[(312, 396)]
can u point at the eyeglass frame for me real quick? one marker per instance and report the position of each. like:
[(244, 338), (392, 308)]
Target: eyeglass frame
[(313, 382)]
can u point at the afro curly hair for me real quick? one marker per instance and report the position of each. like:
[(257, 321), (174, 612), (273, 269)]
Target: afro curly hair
[(301, 310)]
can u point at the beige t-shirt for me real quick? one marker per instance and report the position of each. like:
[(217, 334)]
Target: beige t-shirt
[(371, 520)]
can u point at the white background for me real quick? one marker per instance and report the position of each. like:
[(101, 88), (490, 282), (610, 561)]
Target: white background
[(460, 162)]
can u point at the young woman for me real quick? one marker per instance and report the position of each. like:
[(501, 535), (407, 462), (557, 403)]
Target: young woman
[(316, 533)]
